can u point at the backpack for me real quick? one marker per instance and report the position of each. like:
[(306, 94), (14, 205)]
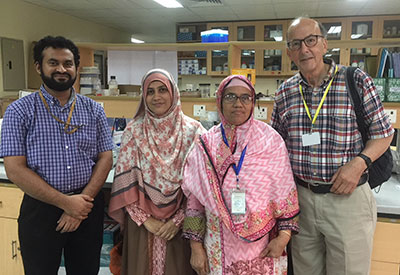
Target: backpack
[(381, 169)]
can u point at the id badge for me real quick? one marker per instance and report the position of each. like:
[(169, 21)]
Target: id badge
[(238, 200), (311, 139)]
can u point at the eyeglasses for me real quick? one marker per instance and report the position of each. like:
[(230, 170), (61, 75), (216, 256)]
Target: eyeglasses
[(309, 41), (231, 98)]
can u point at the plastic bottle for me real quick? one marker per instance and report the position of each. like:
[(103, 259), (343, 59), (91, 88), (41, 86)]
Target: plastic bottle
[(361, 65), (113, 86), (97, 87)]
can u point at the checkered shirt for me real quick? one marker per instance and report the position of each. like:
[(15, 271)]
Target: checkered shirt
[(64, 161)]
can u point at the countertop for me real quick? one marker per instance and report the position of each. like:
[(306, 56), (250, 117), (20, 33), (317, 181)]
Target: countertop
[(387, 197)]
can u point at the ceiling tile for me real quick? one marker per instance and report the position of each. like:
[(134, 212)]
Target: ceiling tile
[(245, 12), (215, 13), (288, 10), (108, 4), (148, 4), (72, 4), (344, 9), (377, 7)]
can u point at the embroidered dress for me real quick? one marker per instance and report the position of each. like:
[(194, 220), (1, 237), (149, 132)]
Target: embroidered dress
[(148, 173), (234, 242)]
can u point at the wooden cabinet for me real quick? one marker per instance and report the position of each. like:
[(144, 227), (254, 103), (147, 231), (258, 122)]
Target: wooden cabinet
[(192, 63), (360, 28), (386, 251), (10, 256), (190, 32), (389, 27), (217, 62), (272, 61), (245, 31)]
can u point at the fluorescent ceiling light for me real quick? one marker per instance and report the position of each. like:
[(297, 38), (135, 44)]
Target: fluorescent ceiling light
[(335, 49), (335, 29), (278, 38), (169, 3), (137, 41)]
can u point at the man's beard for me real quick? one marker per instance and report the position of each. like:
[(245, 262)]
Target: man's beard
[(55, 85)]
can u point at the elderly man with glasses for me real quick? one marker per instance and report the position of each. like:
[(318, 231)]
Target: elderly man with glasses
[(314, 115)]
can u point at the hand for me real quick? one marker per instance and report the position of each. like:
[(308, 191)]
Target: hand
[(67, 223), (346, 178), (198, 259), (153, 225), (276, 246), (168, 230), (79, 206)]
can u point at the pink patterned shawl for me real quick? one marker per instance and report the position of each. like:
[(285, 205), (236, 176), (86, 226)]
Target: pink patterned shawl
[(153, 149), (266, 173)]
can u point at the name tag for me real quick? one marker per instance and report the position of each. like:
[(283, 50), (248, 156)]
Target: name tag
[(311, 139), (238, 202)]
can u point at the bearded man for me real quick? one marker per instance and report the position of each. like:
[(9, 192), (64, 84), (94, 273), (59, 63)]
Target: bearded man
[(57, 148)]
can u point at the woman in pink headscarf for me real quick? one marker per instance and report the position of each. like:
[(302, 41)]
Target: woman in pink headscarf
[(242, 200), (146, 196)]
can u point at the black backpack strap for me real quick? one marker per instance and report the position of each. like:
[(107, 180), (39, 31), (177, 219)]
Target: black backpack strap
[(355, 98)]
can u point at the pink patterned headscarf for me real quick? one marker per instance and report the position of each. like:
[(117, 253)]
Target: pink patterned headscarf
[(149, 167), (229, 82)]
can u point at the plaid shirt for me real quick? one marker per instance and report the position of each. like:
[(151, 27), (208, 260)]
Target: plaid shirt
[(64, 161), (336, 122)]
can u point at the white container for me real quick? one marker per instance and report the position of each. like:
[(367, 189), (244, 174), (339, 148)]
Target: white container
[(362, 29), (113, 86), (204, 90)]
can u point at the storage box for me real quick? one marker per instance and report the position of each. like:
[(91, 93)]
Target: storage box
[(200, 53), (381, 85), (212, 36), (393, 90), (186, 36)]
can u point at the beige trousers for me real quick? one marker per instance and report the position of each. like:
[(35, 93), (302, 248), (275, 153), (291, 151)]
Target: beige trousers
[(336, 233)]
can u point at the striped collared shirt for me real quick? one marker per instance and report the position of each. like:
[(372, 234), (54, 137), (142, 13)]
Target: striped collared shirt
[(340, 140), (64, 161)]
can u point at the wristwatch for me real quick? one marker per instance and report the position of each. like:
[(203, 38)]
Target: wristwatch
[(367, 160)]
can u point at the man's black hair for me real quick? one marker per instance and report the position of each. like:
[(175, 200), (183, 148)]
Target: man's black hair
[(57, 42)]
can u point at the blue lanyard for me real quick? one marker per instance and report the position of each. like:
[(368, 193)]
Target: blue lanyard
[(239, 166)]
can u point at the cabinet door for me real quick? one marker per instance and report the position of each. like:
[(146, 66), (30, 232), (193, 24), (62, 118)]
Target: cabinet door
[(335, 28), (192, 63), (12, 54), (10, 201), (217, 62), (272, 62), (389, 27), (245, 31), (383, 268), (386, 243), (10, 256), (362, 28)]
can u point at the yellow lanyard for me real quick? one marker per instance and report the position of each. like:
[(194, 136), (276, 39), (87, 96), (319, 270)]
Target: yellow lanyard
[(320, 104), (67, 124)]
